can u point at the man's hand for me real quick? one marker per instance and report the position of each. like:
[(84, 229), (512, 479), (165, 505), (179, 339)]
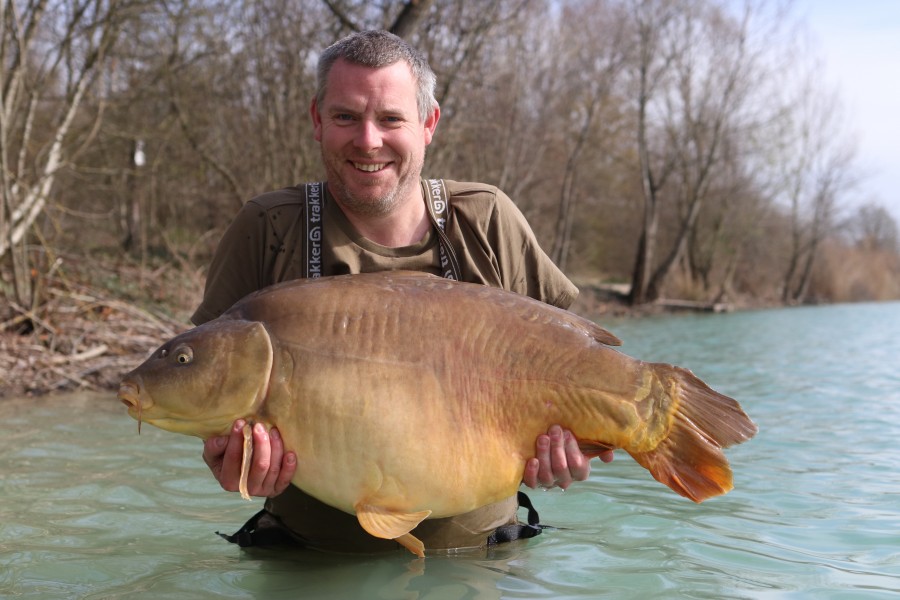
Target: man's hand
[(558, 460), (271, 469)]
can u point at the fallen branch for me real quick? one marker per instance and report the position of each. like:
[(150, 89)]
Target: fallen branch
[(79, 340), (81, 356)]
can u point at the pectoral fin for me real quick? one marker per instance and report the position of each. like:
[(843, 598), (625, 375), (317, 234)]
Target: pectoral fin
[(246, 458), (392, 525), (593, 449)]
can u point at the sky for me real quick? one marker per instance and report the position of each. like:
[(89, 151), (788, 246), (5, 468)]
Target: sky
[(859, 42)]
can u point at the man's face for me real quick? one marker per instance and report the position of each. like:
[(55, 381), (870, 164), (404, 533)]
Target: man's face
[(373, 142)]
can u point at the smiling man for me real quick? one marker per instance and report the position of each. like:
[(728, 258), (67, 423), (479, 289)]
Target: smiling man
[(373, 141), (374, 114)]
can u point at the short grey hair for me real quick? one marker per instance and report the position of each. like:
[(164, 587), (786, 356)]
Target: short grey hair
[(376, 49)]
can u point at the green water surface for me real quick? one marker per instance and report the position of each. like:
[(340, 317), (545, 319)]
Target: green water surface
[(89, 509)]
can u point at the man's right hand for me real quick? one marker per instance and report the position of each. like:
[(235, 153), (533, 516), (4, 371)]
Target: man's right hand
[(271, 469)]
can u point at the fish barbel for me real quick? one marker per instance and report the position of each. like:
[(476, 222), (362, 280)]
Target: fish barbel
[(406, 396)]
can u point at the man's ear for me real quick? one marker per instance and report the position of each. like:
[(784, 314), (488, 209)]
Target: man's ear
[(431, 123), (316, 120)]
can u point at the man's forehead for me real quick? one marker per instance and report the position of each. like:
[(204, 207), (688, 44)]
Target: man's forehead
[(353, 83)]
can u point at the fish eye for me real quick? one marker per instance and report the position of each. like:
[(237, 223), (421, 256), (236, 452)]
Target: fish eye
[(184, 355)]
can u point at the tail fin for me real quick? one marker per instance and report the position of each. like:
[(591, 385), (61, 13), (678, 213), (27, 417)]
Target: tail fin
[(690, 459)]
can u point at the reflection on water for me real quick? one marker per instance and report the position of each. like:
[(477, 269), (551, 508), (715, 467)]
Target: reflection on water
[(89, 509)]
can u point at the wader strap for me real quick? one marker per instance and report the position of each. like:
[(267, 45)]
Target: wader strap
[(315, 196), (438, 210), (519, 531)]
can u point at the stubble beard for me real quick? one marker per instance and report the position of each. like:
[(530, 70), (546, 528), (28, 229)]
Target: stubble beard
[(368, 205)]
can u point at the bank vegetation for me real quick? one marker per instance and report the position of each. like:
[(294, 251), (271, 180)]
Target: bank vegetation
[(667, 149)]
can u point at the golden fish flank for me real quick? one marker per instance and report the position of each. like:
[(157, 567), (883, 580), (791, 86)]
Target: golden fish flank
[(385, 361)]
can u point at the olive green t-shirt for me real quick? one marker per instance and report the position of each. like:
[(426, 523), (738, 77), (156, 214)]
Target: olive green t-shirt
[(491, 239), (494, 245)]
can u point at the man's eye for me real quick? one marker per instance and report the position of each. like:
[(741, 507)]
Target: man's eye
[(343, 117)]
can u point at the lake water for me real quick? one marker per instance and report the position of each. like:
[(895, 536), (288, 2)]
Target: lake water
[(89, 509)]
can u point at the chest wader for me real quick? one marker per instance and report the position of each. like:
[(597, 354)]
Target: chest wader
[(265, 528)]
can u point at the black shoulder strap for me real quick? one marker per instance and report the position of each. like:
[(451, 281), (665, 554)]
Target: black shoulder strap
[(315, 197), (438, 211)]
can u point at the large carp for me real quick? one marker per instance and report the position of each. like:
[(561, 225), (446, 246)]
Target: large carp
[(407, 396)]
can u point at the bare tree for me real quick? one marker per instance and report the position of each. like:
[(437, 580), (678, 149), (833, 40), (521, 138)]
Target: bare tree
[(656, 48), (52, 52), (400, 18), (592, 69), (874, 229), (817, 169), (409, 19), (705, 100), (489, 61)]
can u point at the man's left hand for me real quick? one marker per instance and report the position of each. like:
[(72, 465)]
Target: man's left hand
[(558, 460)]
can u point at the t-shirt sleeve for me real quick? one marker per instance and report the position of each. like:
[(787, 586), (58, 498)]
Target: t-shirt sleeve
[(237, 266), (496, 246), (525, 267)]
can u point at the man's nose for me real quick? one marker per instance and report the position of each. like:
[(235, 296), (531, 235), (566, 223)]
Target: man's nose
[(368, 136)]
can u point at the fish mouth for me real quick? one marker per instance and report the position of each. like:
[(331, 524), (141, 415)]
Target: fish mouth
[(130, 395)]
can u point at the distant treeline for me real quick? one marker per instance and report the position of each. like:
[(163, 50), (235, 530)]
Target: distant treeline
[(686, 147)]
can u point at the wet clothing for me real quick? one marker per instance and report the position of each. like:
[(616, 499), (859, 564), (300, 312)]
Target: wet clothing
[(265, 529), (277, 237)]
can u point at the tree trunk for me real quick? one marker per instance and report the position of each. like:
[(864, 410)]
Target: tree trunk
[(409, 18), (566, 213), (95, 26)]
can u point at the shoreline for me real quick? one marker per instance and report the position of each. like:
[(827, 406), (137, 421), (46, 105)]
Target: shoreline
[(80, 341)]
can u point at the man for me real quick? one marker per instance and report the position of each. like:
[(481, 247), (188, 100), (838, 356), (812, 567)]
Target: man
[(374, 114)]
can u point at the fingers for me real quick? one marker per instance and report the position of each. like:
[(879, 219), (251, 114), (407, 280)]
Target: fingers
[(223, 455), (537, 470), (558, 461), (548, 451), (271, 468), (282, 466), (578, 465), (261, 460), (558, 467), (213, 451), (530, 476)]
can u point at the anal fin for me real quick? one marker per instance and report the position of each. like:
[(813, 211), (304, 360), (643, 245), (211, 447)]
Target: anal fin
[(392, 525)]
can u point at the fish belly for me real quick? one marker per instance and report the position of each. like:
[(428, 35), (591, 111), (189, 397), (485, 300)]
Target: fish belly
[(451, 430)]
